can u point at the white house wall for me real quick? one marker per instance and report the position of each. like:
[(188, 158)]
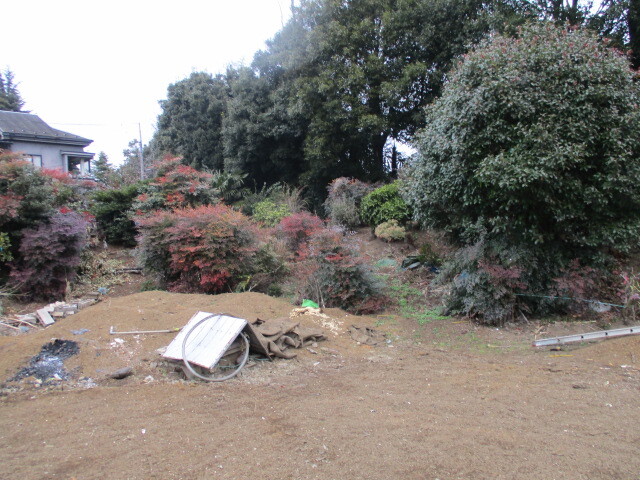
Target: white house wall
[(51, 157)]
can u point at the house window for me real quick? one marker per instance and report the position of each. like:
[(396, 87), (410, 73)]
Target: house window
[(36, 160), (79, 166)]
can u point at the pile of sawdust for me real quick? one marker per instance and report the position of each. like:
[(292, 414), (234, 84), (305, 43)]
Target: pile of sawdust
[(102, 353)]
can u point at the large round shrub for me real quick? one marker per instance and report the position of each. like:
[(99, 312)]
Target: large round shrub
[(534, 144), (206, 249), (384, 204)]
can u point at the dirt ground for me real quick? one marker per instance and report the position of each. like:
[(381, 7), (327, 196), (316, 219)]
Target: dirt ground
[(444, 400)]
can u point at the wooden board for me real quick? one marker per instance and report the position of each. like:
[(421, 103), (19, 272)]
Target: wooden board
[(44, 317), (208, 342)]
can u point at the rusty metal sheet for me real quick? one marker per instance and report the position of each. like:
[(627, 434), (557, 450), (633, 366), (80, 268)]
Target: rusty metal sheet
[(208, 342)]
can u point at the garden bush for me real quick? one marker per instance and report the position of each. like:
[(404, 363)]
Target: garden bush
[(27, 196), (297, 229), (279, 194), (270, 213), (533, 148), (177, 186), (391, 231), (343, 202), (113, 211), (332, 275), (269, 267), (384, 204), (49, 256), (207, 249), (33, 203)]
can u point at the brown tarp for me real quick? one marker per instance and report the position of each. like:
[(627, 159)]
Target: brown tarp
[(274, 337)]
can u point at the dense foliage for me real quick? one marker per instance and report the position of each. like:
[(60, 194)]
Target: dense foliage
[(342, 205), (191, 120), (207, 249), (384, 204), (333, 275), (335, 88), (532, 155), (113, 210), (49, 256)]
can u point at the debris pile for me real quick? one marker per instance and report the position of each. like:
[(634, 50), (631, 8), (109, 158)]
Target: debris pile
[(274, 337), (320, 318), (366, 335), (47, 315)]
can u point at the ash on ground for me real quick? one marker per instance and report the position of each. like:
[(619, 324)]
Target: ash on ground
[(48, 365)]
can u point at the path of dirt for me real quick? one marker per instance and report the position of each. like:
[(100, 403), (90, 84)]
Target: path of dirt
[(446, 400)]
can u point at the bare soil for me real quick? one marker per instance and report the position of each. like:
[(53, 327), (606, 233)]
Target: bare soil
[(445, 400)]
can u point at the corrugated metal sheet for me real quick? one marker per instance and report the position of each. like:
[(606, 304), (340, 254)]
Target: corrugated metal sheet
[(208, 342)]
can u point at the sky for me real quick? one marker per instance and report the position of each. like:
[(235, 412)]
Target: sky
[(98, 69)]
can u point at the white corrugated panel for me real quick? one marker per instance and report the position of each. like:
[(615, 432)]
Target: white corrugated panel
[(208, 342)]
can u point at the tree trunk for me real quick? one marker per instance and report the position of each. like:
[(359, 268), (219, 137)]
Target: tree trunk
[(394, 162), (633, 19), (377, 144)]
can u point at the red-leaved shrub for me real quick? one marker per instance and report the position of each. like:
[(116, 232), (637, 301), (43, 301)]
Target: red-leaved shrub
[(296, 229), (331, 274), (177, 186), (49, 256), (207, 249)]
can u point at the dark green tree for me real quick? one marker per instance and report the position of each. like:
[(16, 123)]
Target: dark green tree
[(374, 65), (262, 139), (264, 129), (113, 211), (10, 98), (102, 169), (531, 158), (190, 124), (610, 19)]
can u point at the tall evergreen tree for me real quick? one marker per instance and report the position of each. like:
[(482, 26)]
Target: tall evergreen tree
[(375, 64), (262, 138), (190, 124), (129, 171), (102, 169), (10, 98)]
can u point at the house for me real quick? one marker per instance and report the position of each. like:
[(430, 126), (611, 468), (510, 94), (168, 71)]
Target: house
[(44, 146)]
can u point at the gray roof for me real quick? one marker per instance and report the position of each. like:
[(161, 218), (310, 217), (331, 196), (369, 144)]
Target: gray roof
[(29, 127)]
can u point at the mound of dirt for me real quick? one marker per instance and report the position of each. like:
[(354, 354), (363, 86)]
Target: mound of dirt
[(101, 352)]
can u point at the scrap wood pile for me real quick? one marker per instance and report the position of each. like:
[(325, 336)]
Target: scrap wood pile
[(48, 314), (274, 338)]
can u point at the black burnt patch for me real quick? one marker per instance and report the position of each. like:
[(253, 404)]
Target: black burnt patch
[(48, 364)]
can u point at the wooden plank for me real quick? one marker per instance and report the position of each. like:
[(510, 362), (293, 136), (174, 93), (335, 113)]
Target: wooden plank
[(208, 341), (44, 317)]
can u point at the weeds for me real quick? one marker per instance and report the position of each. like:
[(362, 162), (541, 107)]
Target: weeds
[(410, 302)]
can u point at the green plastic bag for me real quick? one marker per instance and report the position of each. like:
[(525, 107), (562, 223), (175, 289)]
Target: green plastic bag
[(309, 303)]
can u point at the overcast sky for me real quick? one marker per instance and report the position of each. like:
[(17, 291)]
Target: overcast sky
[(97, 69)]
